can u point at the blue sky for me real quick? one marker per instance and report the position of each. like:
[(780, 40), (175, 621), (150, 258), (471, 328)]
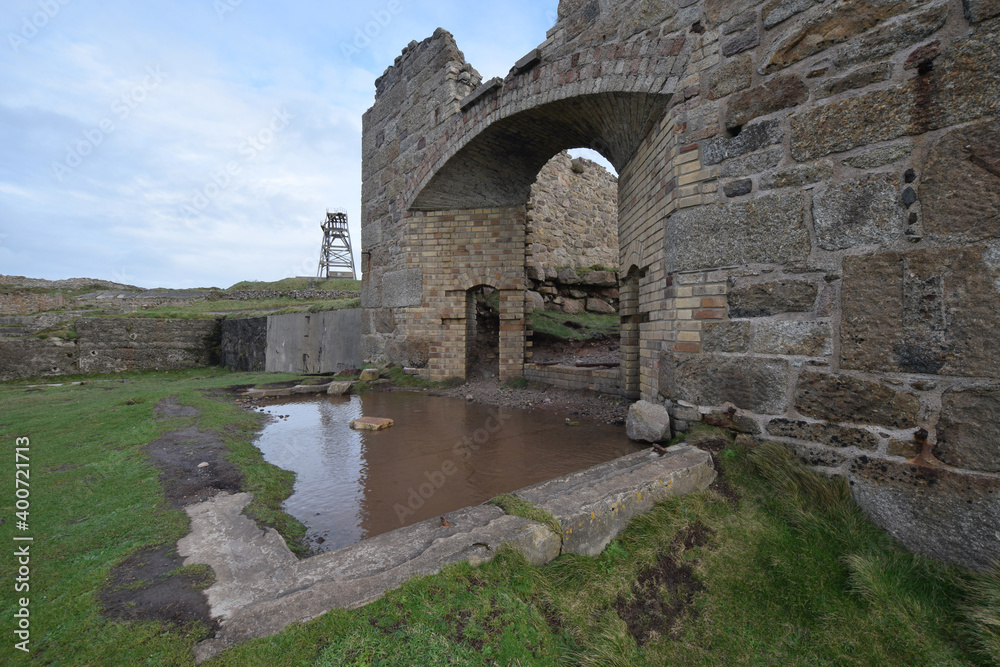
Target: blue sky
[(185, 143)]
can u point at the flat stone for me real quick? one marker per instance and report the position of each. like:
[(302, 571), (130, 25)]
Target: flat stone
[(859, 213), (733, 76), (969, 429), (928, 311), (772, 298), (372, 424), (980, 10), (880, 156), (777, 11), (601, 279), (268, 393), (797, 176), (310, 389), (778, 93), (726, 337), (830, 435), (807, 339), (535, 273), (768, 229), (842, 398), (261, 588), (339, 388), (648, 422), (859, 78), (752, 138), (738, 188), (569, 277), (751, 164), (892, 37), (960, 186), (835, 25), (755, 385), (941, 513), (600, 306), (593, 506), (743, 41)]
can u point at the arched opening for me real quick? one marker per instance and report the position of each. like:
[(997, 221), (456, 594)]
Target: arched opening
[(482, 333), (468, 226)]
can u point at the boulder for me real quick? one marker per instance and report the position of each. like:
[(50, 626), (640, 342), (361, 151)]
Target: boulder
[(339, 388), (369, 375), (600, 307), (648, 422)]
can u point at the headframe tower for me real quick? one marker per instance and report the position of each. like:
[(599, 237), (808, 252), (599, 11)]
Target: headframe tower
[(336, 260)]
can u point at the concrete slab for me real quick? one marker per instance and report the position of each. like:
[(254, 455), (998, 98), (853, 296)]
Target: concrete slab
[(594, 505), (261, 587)]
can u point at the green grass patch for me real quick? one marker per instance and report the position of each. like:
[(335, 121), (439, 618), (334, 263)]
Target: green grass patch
[(574, 327), (299, 284), (252, 308), (515, 506)]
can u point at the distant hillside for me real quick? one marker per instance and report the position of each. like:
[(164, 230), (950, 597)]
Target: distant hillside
[(70, 284)]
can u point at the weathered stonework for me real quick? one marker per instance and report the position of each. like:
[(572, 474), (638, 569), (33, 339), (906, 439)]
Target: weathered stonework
[(802, 232)]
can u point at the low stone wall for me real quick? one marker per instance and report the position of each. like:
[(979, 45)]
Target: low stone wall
[(601, 380), (114, 345), (26, 303), (32, 357), (567, 292), (302, 294)]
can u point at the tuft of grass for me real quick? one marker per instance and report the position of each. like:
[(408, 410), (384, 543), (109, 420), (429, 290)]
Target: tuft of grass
[(515, 506), (574, 327), (982, 612)]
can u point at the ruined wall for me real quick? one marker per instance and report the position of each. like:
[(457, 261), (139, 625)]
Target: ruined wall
[(327, 342), (114, 345), (808, 225), (573, 216), (26, 303)]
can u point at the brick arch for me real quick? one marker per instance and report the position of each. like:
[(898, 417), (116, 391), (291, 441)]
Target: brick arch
[(494, 164)]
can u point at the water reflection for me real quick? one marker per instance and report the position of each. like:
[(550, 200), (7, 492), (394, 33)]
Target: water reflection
[(441, 455)]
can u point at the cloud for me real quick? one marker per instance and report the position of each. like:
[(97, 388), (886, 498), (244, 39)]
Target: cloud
[(166, 100)]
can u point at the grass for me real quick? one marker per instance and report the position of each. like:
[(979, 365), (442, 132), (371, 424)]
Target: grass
[(253, 308), (515, 506), (790, 572), (574, 327), (299, 284)]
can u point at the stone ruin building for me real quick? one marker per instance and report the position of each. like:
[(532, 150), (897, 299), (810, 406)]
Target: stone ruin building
[(808, 226)]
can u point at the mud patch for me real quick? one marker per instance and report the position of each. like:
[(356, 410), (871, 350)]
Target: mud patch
[(662, 595), (178, 455), (169, 408), (150, 586)]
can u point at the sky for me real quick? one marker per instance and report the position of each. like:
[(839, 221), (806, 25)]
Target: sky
[(196, 143)]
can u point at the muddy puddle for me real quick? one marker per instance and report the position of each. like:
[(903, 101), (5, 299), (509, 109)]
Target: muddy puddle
[(441, 455)]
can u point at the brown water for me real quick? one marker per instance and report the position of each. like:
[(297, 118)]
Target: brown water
[(443, 454)]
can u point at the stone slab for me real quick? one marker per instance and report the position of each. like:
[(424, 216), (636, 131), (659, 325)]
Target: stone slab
[(593, 506), (754, 384), (372, 424), (261, 587), (339, 388), (969, 429)]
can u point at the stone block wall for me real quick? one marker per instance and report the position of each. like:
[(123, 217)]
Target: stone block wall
[(114, 345), (27, 303), (601, 380)]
